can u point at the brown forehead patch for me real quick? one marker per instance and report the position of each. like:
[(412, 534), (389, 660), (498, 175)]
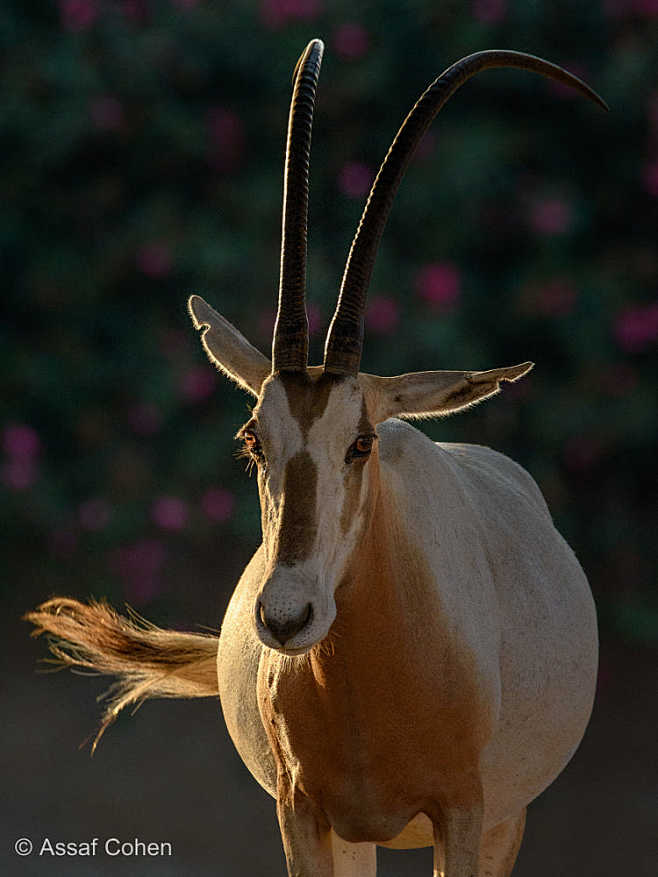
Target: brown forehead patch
[(307, 399), (308, 396), (298, 524)]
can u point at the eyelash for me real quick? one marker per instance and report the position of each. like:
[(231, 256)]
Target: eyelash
[(252, 452)]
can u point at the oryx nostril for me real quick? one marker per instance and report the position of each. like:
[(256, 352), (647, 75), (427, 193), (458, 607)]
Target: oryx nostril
[(285, 627)]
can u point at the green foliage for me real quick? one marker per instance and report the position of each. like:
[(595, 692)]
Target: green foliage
[(143, 146)]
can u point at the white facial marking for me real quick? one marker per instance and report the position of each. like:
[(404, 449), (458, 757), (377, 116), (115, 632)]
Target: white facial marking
[(291, 588)]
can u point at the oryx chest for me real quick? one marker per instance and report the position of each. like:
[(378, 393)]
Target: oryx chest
[(373, 730)]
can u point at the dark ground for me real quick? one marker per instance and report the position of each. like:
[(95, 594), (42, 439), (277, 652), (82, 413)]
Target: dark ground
[(170, 774)]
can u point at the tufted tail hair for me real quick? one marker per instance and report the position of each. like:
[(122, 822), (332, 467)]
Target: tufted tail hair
[(147, 660)]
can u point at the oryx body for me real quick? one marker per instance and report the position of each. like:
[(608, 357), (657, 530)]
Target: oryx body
[(463, 663), (410, 656)]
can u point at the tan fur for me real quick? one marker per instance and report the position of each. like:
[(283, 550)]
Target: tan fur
[(500, 846), (353, 860), (148, 661), (457, 677), (376, 710)]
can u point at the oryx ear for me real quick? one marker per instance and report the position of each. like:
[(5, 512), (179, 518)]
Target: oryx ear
[(436, 394), (227, 348)]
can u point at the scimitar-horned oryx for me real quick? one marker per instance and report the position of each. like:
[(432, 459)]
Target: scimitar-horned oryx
[(410, 656)]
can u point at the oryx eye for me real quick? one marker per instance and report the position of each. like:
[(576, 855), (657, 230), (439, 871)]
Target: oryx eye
[(363, 444), (360, 448), (251, 447)]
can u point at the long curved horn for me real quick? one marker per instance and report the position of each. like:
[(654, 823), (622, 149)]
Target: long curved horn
[(345, 335), (290, 343)]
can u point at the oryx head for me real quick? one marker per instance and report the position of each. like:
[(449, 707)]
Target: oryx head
[(313, 431)]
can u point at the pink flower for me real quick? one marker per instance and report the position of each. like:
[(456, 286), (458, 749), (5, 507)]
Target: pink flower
[(551, 216), (351, 40), (556, 298), (489, 11), (218, 504), (145, 418), (651, 179), (637, 327), (140, 565), (382, 315), (21, 442), (227, 139), (276, 14), (154, 259), (169, 512), (439, 284), (197, 384), (94, 514), (77, 15), (106, 113), (19, 474), (355, 179)]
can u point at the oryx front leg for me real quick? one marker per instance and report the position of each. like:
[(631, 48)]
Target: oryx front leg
[(457, 836), (353, 860), (306, 836), (500, 847)]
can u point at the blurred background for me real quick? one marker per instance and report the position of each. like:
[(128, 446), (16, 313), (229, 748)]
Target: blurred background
[(143, 144)]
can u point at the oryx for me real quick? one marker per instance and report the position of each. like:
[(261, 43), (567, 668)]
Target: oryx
[(410, 656)]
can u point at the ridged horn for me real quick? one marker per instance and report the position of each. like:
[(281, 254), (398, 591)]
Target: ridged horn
[(290, 342), (345, 336)]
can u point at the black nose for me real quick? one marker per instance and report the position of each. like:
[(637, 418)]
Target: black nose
[(284, 628)]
